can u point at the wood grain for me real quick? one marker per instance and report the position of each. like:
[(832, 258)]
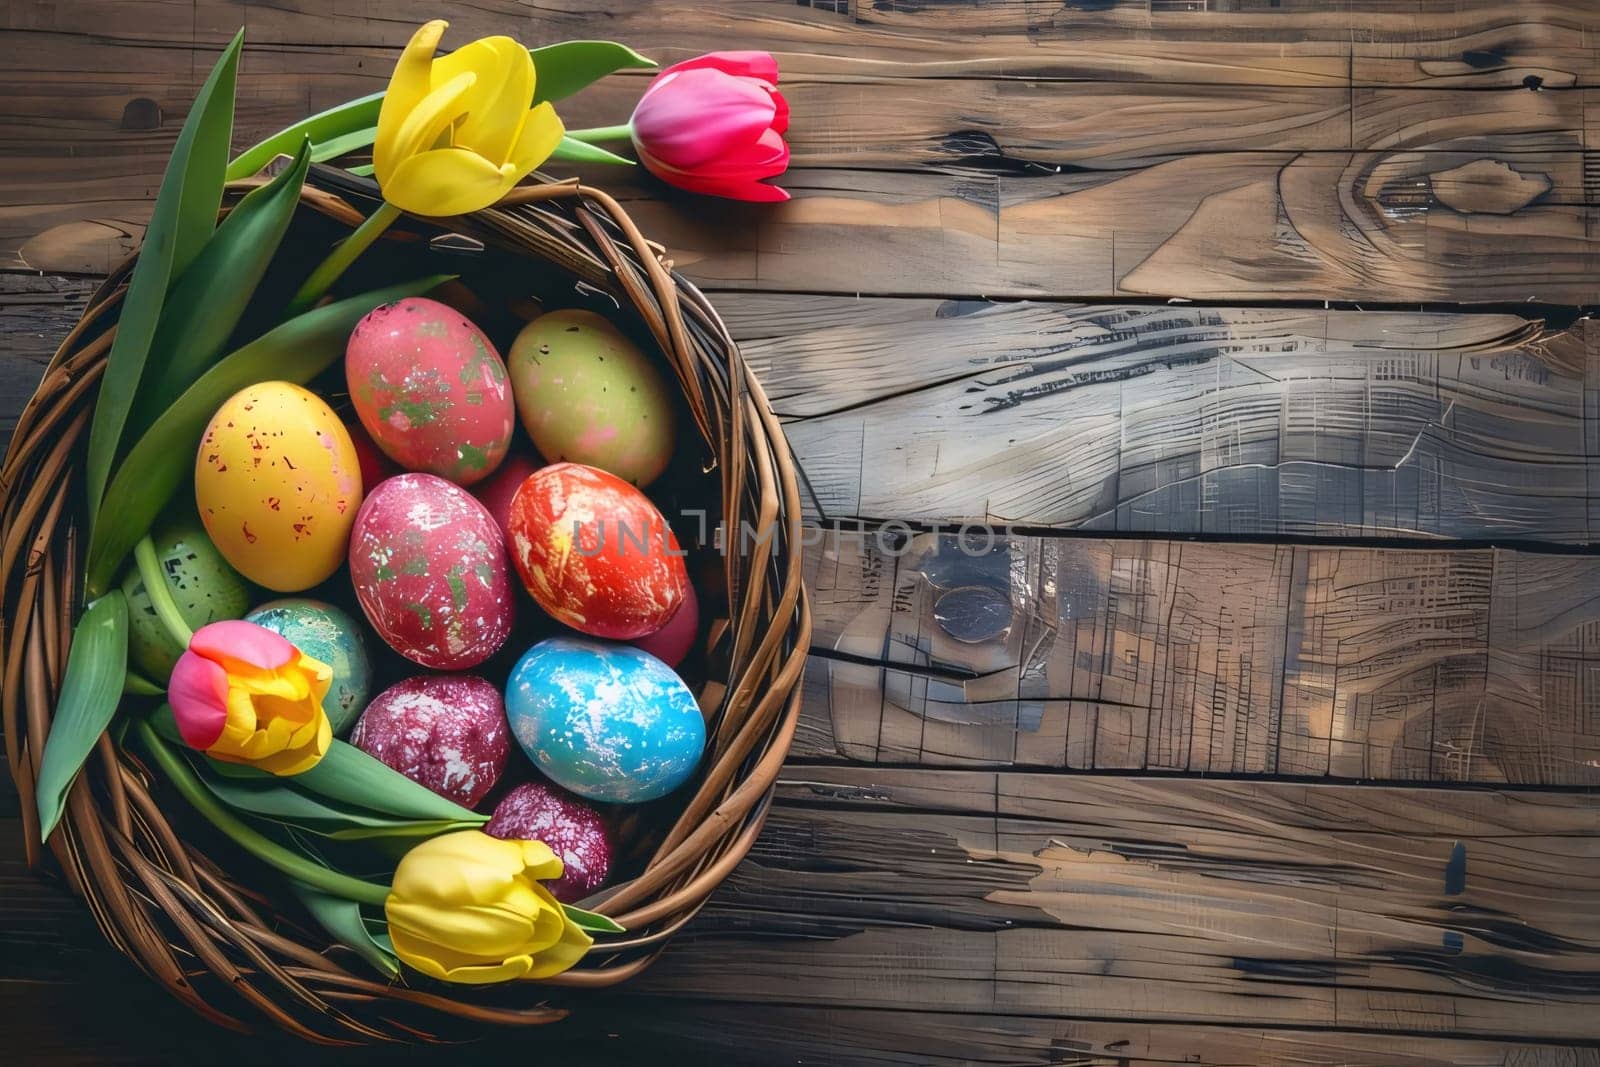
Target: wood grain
[(1352, 663), (1184, 420), (1307, 906), (1029, 173)]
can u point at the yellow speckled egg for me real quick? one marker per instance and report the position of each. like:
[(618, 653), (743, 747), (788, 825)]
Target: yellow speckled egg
[(277, 483)]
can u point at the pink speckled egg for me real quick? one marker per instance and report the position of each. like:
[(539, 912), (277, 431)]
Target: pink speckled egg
[(447, 732), (496, 491), (429, 568), (672, 642), (575, 831), (595, 552), (430, 389)]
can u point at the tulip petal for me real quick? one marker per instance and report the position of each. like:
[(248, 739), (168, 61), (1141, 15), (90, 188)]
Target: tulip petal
[(448, 967), (429, 124), (408, 86), (780, 113), (446, 181), (498, 103), (540, 861), (198, 693), (301, 758), (541, 132), (739, 64), (564, 954), (242, 647), (694, 118)]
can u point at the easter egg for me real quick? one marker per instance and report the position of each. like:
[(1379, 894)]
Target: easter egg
[(595, 552), (496, 491), (326, 633), (609, 722), (672, 642), (430, 389), (538, 811), (202, 584), (375, 466), (429, 569), (587, 394), (277, 483), (445, 731)]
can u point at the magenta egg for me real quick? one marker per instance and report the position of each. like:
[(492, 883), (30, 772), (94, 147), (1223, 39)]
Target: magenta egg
[(447, 732), (430, 389), (672, 642), (497, 491), (575, 831), (429, 568)]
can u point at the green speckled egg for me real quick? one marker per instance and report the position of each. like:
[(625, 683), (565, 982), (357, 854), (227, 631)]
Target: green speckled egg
[(586, 394), (204, 587), (324, 632)]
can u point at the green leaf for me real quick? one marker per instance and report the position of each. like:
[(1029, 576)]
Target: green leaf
[(208, 301), (334, 147), (562, 69), (296, 351), (575, 151), (592, 922), (362, 170), (96, 666), (344, 922), (354, 780), (322, 127), (184, 217)]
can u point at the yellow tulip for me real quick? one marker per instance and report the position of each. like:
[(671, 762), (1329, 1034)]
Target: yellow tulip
[(455, 132), (467, 907)]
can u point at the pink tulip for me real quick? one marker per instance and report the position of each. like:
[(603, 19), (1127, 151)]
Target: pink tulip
[(715, 125), (243, 694)]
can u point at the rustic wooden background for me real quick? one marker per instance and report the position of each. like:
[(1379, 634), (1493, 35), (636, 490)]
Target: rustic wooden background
[(1264, 322)]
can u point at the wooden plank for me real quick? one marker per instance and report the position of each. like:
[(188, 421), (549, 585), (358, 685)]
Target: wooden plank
[(1231, 421), (1233, 187), (1162, 900), (1353, 663)]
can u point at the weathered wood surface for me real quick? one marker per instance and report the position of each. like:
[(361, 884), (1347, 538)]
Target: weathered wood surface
[(1096, 150), (1360, 663), (1162, 900), (1250, 422)]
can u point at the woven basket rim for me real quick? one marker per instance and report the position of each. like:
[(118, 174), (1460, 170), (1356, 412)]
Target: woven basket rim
[(219, 946)]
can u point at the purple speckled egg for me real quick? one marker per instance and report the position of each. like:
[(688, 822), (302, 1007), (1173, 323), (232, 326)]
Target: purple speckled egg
[(445, 731), (538, 811), (430, 389), (429, 567)]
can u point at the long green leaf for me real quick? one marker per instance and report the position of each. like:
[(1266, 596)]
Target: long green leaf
[(96, 666), (591, 921), (344, 922), (296, 351), (324, 126), (210, 298), (575, 151), (334, 147), (183, 220), (562, 69)]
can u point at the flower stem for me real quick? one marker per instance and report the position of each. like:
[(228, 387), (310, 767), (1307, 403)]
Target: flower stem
[(155, 587), (343, 254), (602, 133), (263, 848)]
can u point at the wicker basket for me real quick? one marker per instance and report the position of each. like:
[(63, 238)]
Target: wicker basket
[(127, 844)]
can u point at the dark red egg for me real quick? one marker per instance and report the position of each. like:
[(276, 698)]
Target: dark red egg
[(538, 811), (497, 491), (672, 642), (445, 731), (595, 552)]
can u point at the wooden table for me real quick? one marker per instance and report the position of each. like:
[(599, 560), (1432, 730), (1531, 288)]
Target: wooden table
[(1267, 732)]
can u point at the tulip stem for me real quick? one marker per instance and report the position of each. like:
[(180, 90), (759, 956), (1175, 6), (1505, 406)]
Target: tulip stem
[(155, 587), (344, 253), (602, 133), (263, 848)]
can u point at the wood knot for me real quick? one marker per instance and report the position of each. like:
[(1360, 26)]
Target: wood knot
[(1488, 187), (141, 113)]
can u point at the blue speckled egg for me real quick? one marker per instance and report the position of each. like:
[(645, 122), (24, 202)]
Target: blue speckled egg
[(609, 722), (324, 632)]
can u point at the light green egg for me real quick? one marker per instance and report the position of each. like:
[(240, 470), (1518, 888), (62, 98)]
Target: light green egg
[(587, 394), (204, 587), (327, 633)]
